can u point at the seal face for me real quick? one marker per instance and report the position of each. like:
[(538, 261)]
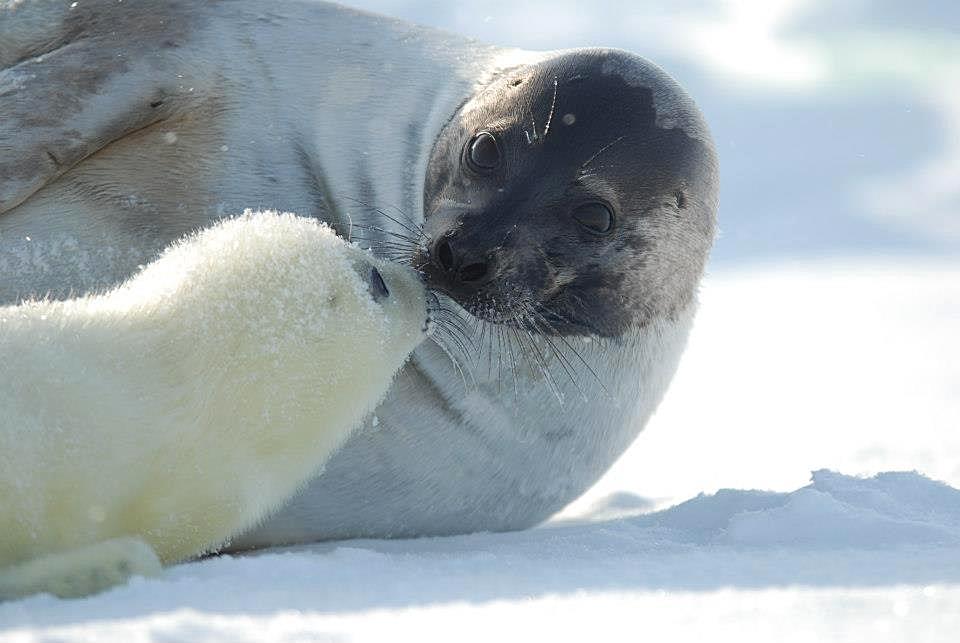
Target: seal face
[(562, 194)]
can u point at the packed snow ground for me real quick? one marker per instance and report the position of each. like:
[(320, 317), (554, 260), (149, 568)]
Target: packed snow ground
[(853, 367)]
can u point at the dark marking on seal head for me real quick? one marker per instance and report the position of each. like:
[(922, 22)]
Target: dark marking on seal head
[(601, 226)]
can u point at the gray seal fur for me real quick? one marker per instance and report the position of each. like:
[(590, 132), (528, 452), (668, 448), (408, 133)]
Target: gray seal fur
[(169, 115)]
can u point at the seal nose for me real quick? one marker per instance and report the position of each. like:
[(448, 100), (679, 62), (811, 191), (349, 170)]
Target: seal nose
[(473, 272), (458, 266), (444, 254), (377, 286)]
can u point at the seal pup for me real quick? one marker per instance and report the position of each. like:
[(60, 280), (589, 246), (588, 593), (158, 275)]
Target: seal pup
[(168, 414), (561, 204)]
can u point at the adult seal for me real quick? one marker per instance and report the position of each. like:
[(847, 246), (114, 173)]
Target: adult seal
[(561, 205)]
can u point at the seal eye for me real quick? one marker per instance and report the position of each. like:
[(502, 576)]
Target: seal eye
[(595, 216), (483, 153)]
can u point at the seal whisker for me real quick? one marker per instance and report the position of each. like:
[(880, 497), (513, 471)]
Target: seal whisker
[(511, 335), (540, 359), (416, 229), (534, 352), (531, 328), (553, 105), (540, 321), (536, 136), (454, 361), (490, 353), (409, 219), (449, 316), (603, 149), (448, 324), (506, 236), (483, 332), (392, 256), (399, 235), (468, 328), (506, 331), (566, 366), (499, 357), (387, 243), (349, 226), (448, 313), (573, 349), (445, 332), (385, 249)]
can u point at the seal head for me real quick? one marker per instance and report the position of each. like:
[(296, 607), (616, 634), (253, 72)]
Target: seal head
[(576, 195)]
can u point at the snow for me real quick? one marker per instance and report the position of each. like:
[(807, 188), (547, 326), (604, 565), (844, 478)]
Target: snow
[(790, 368), (827, 342), (851, 365)]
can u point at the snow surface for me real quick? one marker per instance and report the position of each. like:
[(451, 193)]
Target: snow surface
[(852, 366)]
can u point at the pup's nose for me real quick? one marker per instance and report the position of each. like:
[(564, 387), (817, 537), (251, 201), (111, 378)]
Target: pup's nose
[(377, 286)]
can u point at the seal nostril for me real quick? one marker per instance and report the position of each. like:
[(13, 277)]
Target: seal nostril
[(378, 288), (473, 272), (445, 255)]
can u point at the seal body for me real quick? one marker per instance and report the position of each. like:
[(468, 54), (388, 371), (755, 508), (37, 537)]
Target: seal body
[(559, 332), (184, 405)]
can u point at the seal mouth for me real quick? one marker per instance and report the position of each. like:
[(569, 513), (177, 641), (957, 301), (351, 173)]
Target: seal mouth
[(543, 317), (513, 340), (482, 306)]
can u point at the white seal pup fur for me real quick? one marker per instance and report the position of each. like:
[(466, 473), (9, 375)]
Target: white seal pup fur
[(185, 404), (123, 125)]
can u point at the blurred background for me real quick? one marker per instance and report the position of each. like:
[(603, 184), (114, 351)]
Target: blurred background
[(828, 330)]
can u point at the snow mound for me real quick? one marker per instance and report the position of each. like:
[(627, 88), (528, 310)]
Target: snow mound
[(834, 511), (837, 539)]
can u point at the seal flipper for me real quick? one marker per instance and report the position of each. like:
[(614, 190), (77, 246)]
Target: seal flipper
[(74, 77), (82, 571), (100, 97)]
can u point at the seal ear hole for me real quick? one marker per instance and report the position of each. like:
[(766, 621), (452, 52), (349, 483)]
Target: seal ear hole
[(681, 199), (516, 82), (473, 272), (595, 216)]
